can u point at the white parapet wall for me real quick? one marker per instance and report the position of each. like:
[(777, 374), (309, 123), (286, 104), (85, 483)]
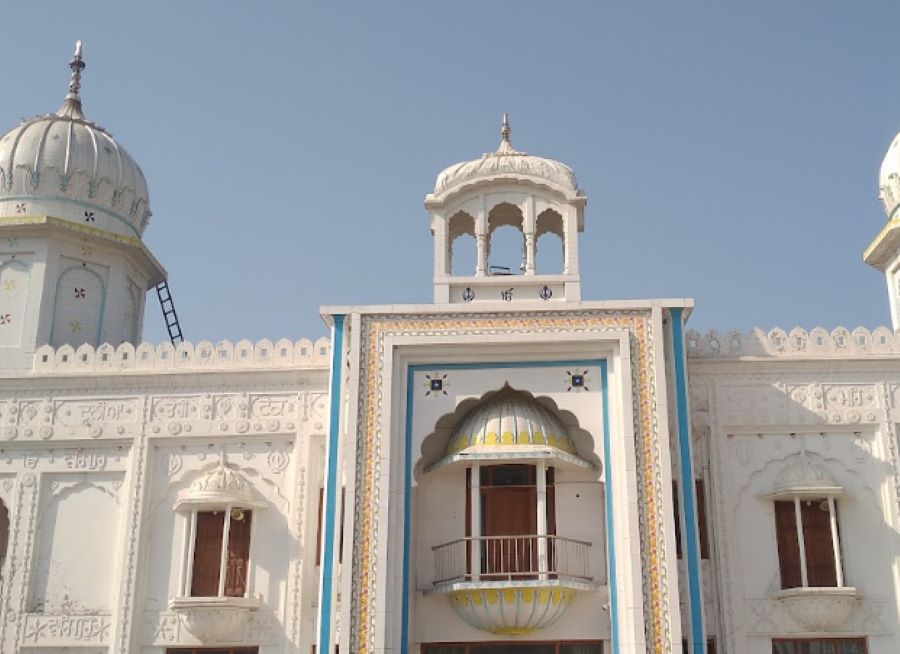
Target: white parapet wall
[(776, 342), (165, 357)]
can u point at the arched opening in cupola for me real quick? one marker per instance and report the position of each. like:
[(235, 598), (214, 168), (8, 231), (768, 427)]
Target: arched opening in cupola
[(506, 240), (549, 243), (461, 247)]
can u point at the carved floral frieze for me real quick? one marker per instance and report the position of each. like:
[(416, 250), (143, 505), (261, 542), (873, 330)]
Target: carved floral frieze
[(239, 413), (43, 629), (779, 403)]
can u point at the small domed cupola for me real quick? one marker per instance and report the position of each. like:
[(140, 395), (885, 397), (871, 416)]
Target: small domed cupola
[(510, 427), (65, 166), (889, 179), (537, 197), (883, 253)]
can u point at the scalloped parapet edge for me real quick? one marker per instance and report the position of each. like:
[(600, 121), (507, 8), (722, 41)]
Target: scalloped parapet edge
[(815, 343), (165, 357)]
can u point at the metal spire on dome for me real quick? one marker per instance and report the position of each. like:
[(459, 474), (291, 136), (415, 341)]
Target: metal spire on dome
[(71, 107), (505, 145)]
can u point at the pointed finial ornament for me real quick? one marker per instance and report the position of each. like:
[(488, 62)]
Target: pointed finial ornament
[(71, 107), (505, 146)]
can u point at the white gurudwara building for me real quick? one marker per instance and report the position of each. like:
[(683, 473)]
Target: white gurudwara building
[(509, 469)]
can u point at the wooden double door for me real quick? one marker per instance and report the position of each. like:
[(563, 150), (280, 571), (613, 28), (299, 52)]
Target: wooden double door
[(509, 542)]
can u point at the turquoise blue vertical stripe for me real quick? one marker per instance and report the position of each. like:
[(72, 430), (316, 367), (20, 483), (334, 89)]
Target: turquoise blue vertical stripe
[(407, 493), (610, 541), (690, 532), (326, 583)]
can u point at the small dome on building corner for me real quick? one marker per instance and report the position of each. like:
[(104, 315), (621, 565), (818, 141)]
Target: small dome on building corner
[(507, 162), (67, 167), (889, 178)]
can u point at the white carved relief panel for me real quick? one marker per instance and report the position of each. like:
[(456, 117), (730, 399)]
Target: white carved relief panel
[(47, 418), (232, 413), (798, 404), (77, 547)]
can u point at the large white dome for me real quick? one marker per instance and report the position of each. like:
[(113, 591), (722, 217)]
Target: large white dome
[(65, 166)]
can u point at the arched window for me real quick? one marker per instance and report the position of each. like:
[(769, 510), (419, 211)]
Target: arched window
[(78, 308), (14, 279), (549, 244), (506, 240)]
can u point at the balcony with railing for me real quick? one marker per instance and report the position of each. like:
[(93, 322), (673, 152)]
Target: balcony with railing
[(510, 558), (512, 585)]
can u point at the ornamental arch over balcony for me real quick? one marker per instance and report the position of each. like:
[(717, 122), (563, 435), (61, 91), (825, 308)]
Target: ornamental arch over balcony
[(498, 460), (813, 588), (215, 596)]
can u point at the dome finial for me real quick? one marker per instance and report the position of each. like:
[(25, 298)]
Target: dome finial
[(72, 105), (505, 146)]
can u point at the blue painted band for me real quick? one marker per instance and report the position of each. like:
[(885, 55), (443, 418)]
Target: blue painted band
[(407, 476), (330, 500), (610, 541), (690, 530)]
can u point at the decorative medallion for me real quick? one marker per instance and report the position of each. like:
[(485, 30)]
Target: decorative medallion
[(75, 327), (20, 207), (88, 216), (436, 384), (577, 381), (5, 319), (79, 293), (545, 293), (468, 295)]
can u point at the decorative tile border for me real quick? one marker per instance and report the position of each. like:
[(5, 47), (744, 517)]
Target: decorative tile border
[(374, 329)]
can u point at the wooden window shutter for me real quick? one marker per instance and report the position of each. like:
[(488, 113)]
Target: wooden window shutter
[(788, 547), (820, 568), (207, 554), (4, 530), (238, 553), (675, 508), (702, 529)]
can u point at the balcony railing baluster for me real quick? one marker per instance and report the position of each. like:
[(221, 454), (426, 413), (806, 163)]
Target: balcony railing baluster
[(512, 557)]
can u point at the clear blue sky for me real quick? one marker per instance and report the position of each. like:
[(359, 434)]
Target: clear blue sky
[(729, 149)]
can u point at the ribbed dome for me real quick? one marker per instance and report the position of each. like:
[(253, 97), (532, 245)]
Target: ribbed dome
[(507, 162), (66, 166), (509, 418), (889, 178)]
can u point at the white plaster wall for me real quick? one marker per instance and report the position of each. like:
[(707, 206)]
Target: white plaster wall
[(90, 467)]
